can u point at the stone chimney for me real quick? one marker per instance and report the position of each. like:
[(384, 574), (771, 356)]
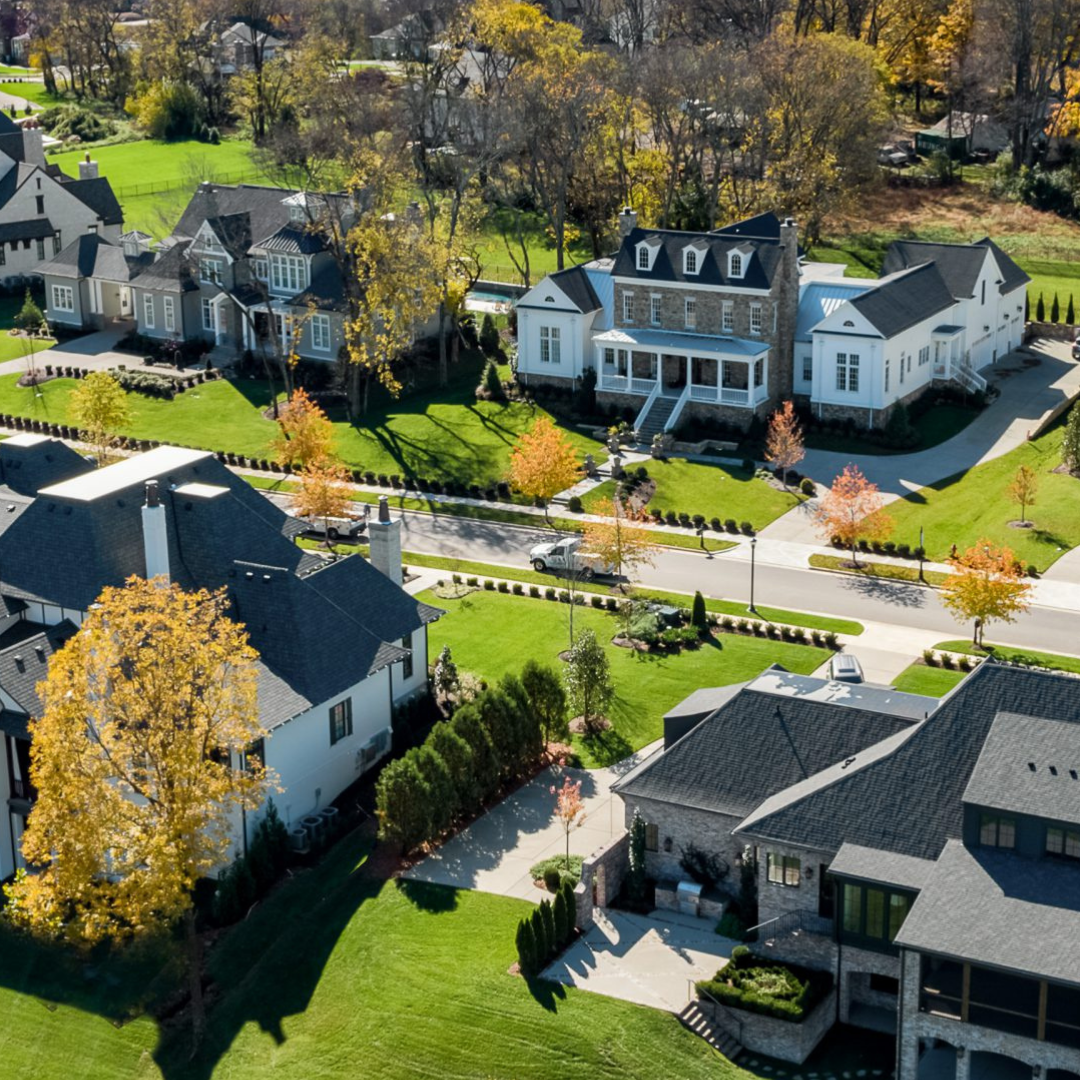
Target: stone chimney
[(88, 170), (385, 538), (627, 221), (787, 298), (155, 538), (33, 143)]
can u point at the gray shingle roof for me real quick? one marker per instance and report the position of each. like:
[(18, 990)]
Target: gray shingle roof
[(904, 300), (1012, 276), (29, 463), (326, 291), (579, 291), (98, 195), (25, 651), (31, 229), (988, 907), (760, 227), (883, 867), (292, 239), (958, 264), (92, 256), (1029, 765), (910, 798), (171, 271)]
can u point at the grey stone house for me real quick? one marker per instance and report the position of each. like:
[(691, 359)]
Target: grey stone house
[(927, 853)]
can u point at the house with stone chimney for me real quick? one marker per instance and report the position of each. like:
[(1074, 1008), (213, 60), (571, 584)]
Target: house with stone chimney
[(340, 642), (925, 852), (724, 325)]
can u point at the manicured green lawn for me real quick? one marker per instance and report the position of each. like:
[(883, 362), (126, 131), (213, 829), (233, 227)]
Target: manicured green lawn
[(440, 434), (1029, 657), (722, 491), (17, 347), (492, 634), (870, 569), (968, 506), (932, 681), (33, 91), (938, 424)]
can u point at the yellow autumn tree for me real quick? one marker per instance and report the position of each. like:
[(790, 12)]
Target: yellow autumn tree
[(305, 435), (325, 492), (138, 763), (985, 585), (543, 462), (852, 510), (616, 542), (99, 407)]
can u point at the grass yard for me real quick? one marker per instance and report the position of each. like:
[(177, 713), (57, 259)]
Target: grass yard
[(721, 491), (497, 265), (931, 681), (33, 91), (341, 972), (1028, 657), (492, 634), (937, 425), (966, 507), (869, 569)]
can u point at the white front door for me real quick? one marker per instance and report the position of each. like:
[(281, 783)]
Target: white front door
[(127, 308)]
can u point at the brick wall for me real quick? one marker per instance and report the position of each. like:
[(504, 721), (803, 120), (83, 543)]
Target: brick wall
[(770, 1036), (776, 900)]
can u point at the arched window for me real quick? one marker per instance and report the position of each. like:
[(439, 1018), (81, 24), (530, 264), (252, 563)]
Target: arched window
[(691, 261), (643, 258), (736, 264)]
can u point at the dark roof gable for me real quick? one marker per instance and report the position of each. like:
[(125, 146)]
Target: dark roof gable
[(904, 300)]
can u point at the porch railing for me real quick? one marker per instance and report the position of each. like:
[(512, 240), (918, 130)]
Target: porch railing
[(673, 419), (617, 383), (643, 386), (734, 397), (653, 395), (807, 922)]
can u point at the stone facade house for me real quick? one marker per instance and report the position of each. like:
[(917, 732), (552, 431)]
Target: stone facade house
[(925, 852), (725, 325)]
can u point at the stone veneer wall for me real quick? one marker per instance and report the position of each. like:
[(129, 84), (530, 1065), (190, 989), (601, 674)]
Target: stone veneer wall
[(775, 900), (602, 875), (861, 413), (768, 1035)]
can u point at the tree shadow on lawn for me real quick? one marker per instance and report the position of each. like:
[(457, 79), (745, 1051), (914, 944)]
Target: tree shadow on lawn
[(546, 993), (414, 457), (434, 899), (255, 391), (607, 747)]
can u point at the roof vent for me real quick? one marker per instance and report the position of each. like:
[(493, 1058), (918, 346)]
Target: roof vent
[(18, 658), (1031, 765), (249, 575), (1072, 774), (11, 508), (40, 650), (266, 577), (1053, 770), (849, 761)]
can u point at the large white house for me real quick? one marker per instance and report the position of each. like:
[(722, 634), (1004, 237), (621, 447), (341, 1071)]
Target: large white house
[(726, 324), (340, 643)]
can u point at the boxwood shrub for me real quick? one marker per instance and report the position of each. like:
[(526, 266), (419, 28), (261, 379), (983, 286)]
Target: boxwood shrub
[(784, 991)]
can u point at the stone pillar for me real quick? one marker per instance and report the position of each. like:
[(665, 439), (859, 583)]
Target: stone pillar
[(963, 1063), (385, 538), (907, 1050)]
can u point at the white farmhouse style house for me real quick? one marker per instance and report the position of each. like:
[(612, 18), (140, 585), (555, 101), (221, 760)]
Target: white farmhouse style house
[(726, 324), (340, 643)]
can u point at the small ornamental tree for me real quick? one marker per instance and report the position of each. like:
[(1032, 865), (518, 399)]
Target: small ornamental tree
[(635, 880), (1023, 488), (1070, 443), (1055, 310), (99, 406), (30, 319), (569, 809), (548, 698), (985, 585), (543, 462), (445, 676), (403, 804), (588, 679), (1040, 310), (305, 435), (852, 508), (615, 543), (698, 615), (784, 447), (1070, 314), (325, 492)]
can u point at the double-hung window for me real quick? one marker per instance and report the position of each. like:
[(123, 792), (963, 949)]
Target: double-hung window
[(41, 248), (847, 372), (209, 315), (727, 317), (755, 318), (148, 311), (997, 831), (262, 271), (168, 305), (287, 273), (340, 721), (407, 663), (627, 307), (1063, 842), (655, 306), (690, 313), (549, 345), (783, 870), (63, 298), (320, 333), (210, 271), (56, 247)]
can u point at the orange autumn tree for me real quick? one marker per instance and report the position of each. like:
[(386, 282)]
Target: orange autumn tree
[(543, 462), (985, 584), (784, 447), (615, 542), (305, 435), (569, 809), (1023, 488), (852, 509), (325, 492)]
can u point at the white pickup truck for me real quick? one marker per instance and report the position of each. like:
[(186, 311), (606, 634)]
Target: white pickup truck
[(566, 556)]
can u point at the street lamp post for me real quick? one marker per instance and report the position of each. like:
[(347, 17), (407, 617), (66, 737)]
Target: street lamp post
[(753, 546), (922, 553)]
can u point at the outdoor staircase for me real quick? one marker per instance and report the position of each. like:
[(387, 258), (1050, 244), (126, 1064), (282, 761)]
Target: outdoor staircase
[(693, 1019), (968, 378), (654, 420)]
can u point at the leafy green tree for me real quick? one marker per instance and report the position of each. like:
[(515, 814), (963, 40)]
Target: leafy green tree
[(489, 336), (588, 679), (487, 768), (547, 914), (635, 881), (530, 732), (443, 793), (1040, 310), (403, 803), (563, 927), (30, 318), (526, 947), (457, 755), (1070, 444), (99, 406), (698, 616), (1055, 310), (505, 727), (548, 698), (446, 673)]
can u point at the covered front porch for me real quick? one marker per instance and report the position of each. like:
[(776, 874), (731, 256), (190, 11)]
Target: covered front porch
[(722, 371)]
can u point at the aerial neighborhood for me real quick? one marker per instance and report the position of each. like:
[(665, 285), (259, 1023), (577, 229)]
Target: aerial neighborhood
[(539, 537)]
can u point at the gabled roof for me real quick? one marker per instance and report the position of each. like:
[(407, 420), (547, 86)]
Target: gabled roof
[(25, 651), (958, 264), (909, 798), (1012, 276), (575, 283), (92, 256), (326, 291), (760, 227), (233, 231), (820, 299), (29, 463), (170, 271), (904, 300), (759, 269), (98, 195)]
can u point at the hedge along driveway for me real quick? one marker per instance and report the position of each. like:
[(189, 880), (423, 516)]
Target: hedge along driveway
[(438, 435), (493, 634)]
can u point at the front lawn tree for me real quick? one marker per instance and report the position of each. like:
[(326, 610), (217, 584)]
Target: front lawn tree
[(588, 680), (616, 543), (569, 809), (543, 462), (325, 492), (1023, 488), (784, 447), (985, 585), (548, 699), (305, 435), (99, 407), (852, 509), (140, 767)]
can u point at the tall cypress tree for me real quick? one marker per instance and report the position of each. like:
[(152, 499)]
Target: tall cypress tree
[(571, 907), (526, 947), (543, 942), (1055, 310), (562, 915), (547, 914), (1070, 314), (1040, 310)]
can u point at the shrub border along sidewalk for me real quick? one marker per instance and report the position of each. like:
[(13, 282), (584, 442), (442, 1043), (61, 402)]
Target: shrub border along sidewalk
[(909, 574)]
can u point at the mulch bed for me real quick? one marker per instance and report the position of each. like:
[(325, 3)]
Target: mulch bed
[(599, 723), (30, 380)]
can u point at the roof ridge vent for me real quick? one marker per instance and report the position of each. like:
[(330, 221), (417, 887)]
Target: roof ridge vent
[(1031, 765), (1053, 770)]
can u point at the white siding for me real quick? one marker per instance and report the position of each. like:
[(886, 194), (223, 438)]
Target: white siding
[(406, 688)]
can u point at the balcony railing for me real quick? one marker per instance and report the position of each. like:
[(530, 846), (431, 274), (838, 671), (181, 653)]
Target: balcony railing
[(618, 383), (642, 386)]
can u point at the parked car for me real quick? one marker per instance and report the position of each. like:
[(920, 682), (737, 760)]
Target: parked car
[(566, 555), (845, 668), (1076, 344), (339, 529)]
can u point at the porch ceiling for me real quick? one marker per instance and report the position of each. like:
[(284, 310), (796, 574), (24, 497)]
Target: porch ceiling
[(723, 348)]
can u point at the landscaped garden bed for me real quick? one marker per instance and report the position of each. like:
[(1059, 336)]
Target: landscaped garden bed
[(886, 571)]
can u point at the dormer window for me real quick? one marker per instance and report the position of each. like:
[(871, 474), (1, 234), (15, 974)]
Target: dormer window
[(735, 265), (690, 261), (296, 213), (644, 258)]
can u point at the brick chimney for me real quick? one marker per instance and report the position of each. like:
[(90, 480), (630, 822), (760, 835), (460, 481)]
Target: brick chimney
[(787, 299), (627, 221), (384, 535), (88, 170), (155, 538)]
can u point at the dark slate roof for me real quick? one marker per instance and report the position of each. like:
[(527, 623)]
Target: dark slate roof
[(25, 651), (760, 227), (12, 145), (292, 239), (578, 289), (904, 300), (762, 260), (29, 463), (171, 271), (14, 724), (7, 125), (882, 867), (32, 229), (1012, 276), (326, 291), (234, 232), (98, 195), (1029, 765), (92, 256), (761, 742), (908, 798), (989, 907), (958, 264)]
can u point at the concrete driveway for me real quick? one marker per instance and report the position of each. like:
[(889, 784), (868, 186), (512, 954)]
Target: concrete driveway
[(495, 852), (647, 959)]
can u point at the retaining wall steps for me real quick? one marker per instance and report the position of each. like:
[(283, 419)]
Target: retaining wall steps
[(693, 1019)]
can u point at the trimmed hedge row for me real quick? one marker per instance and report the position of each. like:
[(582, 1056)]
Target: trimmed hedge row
[(737, 986)]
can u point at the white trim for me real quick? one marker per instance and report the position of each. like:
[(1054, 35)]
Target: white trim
[(325, 334), (63, 293), (168, 305)]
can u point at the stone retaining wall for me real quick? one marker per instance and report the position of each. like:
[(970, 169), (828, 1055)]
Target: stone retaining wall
[(770, 1036), (602, 875)]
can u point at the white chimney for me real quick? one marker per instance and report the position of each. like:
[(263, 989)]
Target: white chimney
[(155, 539), (627, 221), (88, 170), (33, 145), (385, 538)]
